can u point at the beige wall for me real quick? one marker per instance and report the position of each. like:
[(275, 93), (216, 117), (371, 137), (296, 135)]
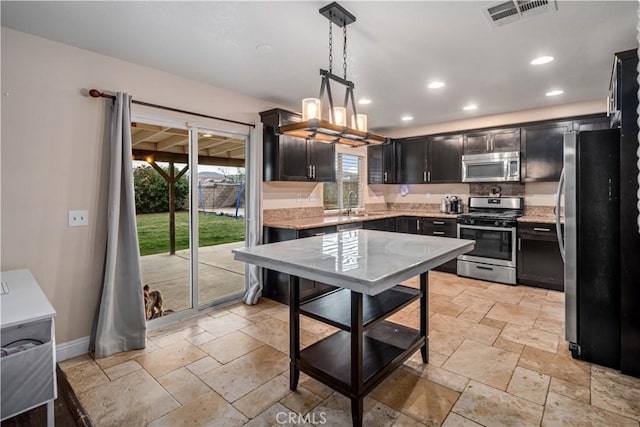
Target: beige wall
[(54, 159)]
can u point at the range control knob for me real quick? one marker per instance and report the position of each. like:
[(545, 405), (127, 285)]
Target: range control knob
[(504, 223), (471, 221), (497, 223)]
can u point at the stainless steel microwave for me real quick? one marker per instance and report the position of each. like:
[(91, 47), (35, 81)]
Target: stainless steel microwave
[(491, 167)]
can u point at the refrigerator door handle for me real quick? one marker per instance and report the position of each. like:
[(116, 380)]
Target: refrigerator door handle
[(558, 225)]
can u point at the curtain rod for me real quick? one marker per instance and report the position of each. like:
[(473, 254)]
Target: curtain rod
[(95, 93)]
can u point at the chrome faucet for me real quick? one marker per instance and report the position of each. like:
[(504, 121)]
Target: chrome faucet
[(349, 201)]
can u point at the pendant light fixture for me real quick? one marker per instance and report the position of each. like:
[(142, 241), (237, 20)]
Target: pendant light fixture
[(336, 129)]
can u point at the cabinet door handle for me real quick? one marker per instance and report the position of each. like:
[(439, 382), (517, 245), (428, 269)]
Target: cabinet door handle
[(313, 168), (385, 177), (488, 145), (429, 176), (417, 225), (424, 176), (608, 106), (309, 171), (438, 233), (541, 229), (519, 243), (438, 222)]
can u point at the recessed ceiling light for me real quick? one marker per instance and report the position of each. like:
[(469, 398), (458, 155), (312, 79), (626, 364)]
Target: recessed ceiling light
[(406, 118), (542, 60), (364, 101), (207, 135), (554, 93), (436, 85), (470, 107)]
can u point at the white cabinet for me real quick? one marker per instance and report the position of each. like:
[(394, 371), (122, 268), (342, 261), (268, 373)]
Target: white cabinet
[(27, 376)]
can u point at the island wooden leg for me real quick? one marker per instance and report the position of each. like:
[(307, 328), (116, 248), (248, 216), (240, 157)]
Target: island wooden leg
[(424, 315), (294, 330), (356, 358)]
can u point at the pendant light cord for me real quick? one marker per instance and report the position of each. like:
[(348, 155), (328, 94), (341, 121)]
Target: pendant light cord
[(330, 46), (344, 51)]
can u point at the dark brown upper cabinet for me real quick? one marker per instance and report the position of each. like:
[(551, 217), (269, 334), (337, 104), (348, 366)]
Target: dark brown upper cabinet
[(287, 158), (381, 164), (413, 165), (491, 141), (445, 159), (436, 159), (542, 151), (592, 123)]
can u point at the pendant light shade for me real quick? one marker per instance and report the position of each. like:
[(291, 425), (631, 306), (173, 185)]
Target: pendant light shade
[(310, 109), (359, 121), (340, 116)]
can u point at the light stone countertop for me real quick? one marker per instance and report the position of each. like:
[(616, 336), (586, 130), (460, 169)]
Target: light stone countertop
[(321, 221), (543, 219), (364, 261)]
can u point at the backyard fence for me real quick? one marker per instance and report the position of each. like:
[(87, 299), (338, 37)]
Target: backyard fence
[(217, 195)]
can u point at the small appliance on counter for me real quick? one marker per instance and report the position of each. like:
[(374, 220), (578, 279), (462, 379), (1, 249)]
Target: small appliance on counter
[(491, 222), (451, 204)]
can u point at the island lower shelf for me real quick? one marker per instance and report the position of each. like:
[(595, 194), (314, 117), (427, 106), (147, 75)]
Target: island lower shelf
[(335, 308), (384, 346)]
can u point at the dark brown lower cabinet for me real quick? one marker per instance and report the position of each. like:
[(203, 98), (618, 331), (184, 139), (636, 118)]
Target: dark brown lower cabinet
[(431, 226), (441, 227), (276, 284), (539, 261), (383, 224)]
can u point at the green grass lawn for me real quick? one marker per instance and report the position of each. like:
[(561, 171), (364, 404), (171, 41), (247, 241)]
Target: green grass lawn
[(153, 231)]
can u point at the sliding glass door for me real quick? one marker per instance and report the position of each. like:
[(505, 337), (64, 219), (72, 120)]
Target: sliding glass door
[(221, 225), (190, 215)]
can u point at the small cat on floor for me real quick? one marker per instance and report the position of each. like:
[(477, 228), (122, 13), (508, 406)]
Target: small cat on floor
[(152, 303)]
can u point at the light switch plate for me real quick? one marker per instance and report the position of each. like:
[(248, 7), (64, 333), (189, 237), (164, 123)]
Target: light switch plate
[(78, 218)]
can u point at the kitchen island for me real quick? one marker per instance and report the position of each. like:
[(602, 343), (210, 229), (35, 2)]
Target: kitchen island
[(368, 265)]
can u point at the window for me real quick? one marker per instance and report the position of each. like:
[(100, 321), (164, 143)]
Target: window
[(349, 181)]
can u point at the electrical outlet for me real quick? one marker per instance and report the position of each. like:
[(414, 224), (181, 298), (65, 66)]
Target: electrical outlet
[(312, 197), (428, 195), (78, 218)]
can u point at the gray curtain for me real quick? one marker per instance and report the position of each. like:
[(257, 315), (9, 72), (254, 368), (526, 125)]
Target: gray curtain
[(121, 324), (254, 211)]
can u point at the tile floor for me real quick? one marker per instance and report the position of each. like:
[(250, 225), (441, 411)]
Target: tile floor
[(497, 358)]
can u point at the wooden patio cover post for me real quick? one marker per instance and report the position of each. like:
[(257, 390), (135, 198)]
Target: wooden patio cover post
[(171, 179)]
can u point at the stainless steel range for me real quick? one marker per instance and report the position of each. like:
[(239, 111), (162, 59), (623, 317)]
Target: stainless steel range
[(491, 222)]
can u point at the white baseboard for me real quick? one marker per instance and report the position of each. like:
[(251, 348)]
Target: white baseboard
[(71, 349)]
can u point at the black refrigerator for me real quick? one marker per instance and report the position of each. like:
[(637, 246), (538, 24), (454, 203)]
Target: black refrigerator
[(591, 244), (624, 116)]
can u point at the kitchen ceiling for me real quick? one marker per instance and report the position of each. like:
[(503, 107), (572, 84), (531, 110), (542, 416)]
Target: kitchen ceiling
[(274, 50)]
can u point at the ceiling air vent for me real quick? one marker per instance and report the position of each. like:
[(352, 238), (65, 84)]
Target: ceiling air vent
[(505, 12)]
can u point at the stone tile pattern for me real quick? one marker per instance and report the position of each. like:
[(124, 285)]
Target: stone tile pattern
[(271, 215), (498, 357), (507, 189)]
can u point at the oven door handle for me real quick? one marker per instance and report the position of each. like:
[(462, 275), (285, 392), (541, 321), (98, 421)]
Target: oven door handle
[(483, 227)]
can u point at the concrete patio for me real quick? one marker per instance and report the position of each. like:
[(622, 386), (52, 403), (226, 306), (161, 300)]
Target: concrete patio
[(219, 275)]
